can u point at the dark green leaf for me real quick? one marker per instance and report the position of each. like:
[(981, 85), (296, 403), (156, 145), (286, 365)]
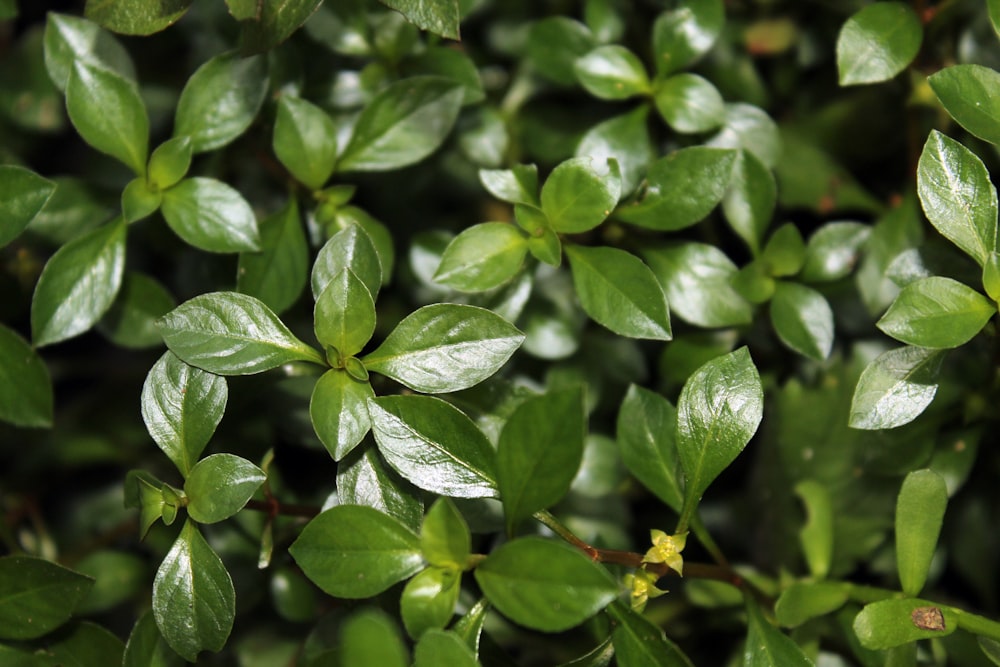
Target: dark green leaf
[(344, 317), (647, 438), (23, 193), (305, 140), (689, 103), (273, 22), (232, 334), (169, 163), (147, 648), (803, 601), (350, 248), (749, 128), (803, 320), (437, 16), (117, 575), (685, 33), (428, 600), (539, 452), (338, 410), (545, 585), (968, 92), (767, 646), (833, 251), (403, 124), (579, 195), (352, 551), (25, 387), (444, 538), (638, 642), (937, 312), (74, 208), (889, 623), (71, 39), (136, 17), (445, 347), (919, 514), (620, 292), (362, 479), (437, 647), (220, 100), (370, 637), (749, 202), (139, 200), (434, 445), (625, 139), (211, 215), (518, 185), (78, 284), (453, 64), (878, 42), (482, 257), (37, 596), (193, 598), (612, 72), (278, 273), (219, 486), (554, 44), (85, 645), (895, 388)]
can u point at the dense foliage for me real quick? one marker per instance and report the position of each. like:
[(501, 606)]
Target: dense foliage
[(499, 332)]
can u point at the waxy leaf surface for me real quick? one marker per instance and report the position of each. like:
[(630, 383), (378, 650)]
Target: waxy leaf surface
[(211, 215), (937, 312), (136, 17), (277, 273), (305, 140), (437, 16), (23, 193), (647, 438), (70, 39), (338, 410), (363, 479), (878, 42), (686, 32), (969, 93), (482, 257), (350, 248), (219, 486), (895, 388)]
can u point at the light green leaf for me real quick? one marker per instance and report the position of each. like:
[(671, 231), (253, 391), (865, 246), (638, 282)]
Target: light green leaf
[(139, 200), (350, 248), (363, 479), (78, 284), (344, 317), (895, 388), (612, 72), (816, 535), (428, 600), (169, 163), (993, 8), (937, 312), (785, 252), (459, 66), (833, 251), (219, 486), (639, 642), (371, 637), (889, 623), (766, 646), (278, 273), (749, 202), (920, 510), (305, 140), (136, 17), (437, 647), (273, 21), (23, 193), (37, 596), (147, 648), (26, 397), (803, 320), (352, 551), (626, 140), (683, 34), (232, 334), (444, 538), (877, 43), (338, 410), (619, 292), (518, 185), (482, 257), (968, 93), (579, 195), (437, 16), (749, 128), (211, 215), (554, 44), (71, 39), (991, 647), (806, 600), (647, 438), (689, 103)]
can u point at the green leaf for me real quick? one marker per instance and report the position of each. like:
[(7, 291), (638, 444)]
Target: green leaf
[(626, 140), (937, 312), (437, 647), (232, 334), (833, 251), (749, 128), (403, 124), (470, 626), (434, 445), (219, 486), (816, 535), (895, 388), (131, 320), (682, 188), (639, 642), (305, 140), (350, 248), (85, 644), (785, 252), (619, 292), (428, 600), (919, 514), (803, 320), (338, 410), (544, 585), (457, 65), (362, 479), (518, 185), (193, 597), (118, 576), (345, 314), (23, 193), (749, 202), (440, 17), (220, 100), (71, 39), (37, 596), (539, 452), (877, 43), (182, 405), (767, 646), (957, 195), (647, 438), (482, 257), (273, 22), (139, 200), (78, 284), (211, 215), (719, 410), (444, 538), (806, 600), (351, 551), (578, 195), (26, 397), (108, 113), (683, 34), (370, 637), (445, 347), (991, 647), (278, 273), (169, 163), (968, 93), (554, 44), (147, 648), (543, 243), (136, 17), (689, 103), (889, 623), (612, 72)]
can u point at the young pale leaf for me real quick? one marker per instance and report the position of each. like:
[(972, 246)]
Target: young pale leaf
[(685, 33), (219, 486), (211, 215), (352, 551), (23, 193), (816, 535), (968, 93), (403, 124), (647, 438), (338, 410), (106, 110), (434, 445), (437, 647), (305, 140), (888, 623), (278, 273), (169, 163), (578, 195), (182, 405), (344, 316), (895, 388), (919, 514), (37, 596), (131, 17), (444, 538), (766, 646), (878, 42), (803, 320), (682, 188), (220, 100), (139, 200), (26, 397), (612, 72), (937, 312), (273, 21), (147, 648), (785, 252), (440, 17), (482, 257), (957, 195), (544, 244), (428, 600), (545, 585), (71, 39), (638, 642), (805, 600), (626, 140), (78, 284), (619, 292), (445, 347), (362, 479), (833, 251), (193, 597), (539, 452), (518, 185), (232, 334), (350, 248), (371, 637), (749, 202), (689, 103), (554, 44), (719, 410)]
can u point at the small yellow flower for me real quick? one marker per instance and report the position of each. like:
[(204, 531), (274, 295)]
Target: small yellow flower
[(643, 586), (666, 549)]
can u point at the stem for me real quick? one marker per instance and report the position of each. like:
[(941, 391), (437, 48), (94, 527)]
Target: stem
[(977, 624)]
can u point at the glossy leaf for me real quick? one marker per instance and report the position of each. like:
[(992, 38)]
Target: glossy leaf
[(806, 600), (338, 410), (803, 319), (889, 623), (539, 452), (139, 200), (749, 128), (749, 202), (428, 600), (689, 103), (482, 257), (459, 66), (544, 585), (23, 193), (273, 22), (639, 642), (766, 646), (363, 479), (220, 100), (920, 510), (647, 439), (370, 637), (434, 445), (625, 139), (833, 251), (619, 292), (352, 551), (305, 140), (444, 537), (37, 596), (182, 405), (278, 273), (518, 185), (554, 44), (219, 486), (612, 72), (169, 163), (578, 195), (877, 43), (684, 34), (71, 39), (131, 17), (402, 125), (937, 312), (193, 597), (445, 347), (785, 252), (232, 334), (147, 648), (78, 284), (437, 16), (968, 93), (344, 317), (211, 215), (350, 248), (437, 647), (26, 397), (895, 388)]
